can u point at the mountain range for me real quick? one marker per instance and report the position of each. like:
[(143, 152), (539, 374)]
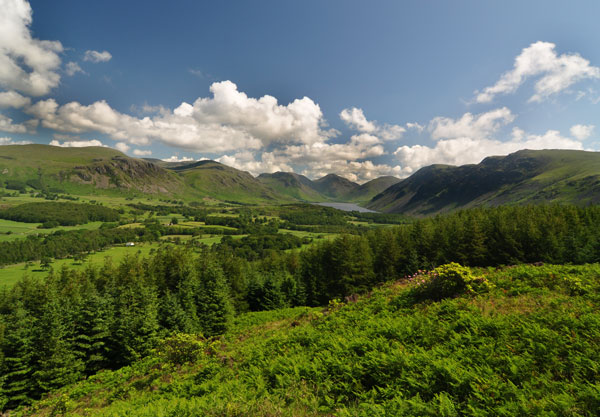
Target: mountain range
[(524, 177), (556, 176)]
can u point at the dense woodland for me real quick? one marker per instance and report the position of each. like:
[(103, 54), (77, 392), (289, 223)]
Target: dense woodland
[(74, 323), (52, 214)]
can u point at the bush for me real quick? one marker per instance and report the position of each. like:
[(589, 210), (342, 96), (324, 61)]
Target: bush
[(449, 280), (182, 348)]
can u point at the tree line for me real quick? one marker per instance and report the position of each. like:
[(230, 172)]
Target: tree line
[(61, 244), (59, 213)]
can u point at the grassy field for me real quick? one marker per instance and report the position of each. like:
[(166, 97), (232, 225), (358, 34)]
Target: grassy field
[(10, 274), (19, 230)]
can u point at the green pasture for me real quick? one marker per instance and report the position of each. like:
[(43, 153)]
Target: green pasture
[(10, 274), (10, 230)]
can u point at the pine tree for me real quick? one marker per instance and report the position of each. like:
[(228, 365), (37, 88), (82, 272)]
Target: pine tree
[(56, 363), (18, 368), (214, 306), (135, 326)]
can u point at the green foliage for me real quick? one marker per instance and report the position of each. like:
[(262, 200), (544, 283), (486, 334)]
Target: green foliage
[(182, 348), (214, 307), (116, 315), (255, 247), (64, 214), (15, 185), (61, 244), (529, 352), (448, 280), (308, 214), (77, 322)]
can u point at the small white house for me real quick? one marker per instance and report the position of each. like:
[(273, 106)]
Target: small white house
[(130, 244)]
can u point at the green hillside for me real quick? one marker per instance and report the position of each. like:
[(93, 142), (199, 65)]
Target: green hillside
[(335, 187), (525, 345), (293, 185), (370, 189), (524, 177), (84, 170), (210, 178)]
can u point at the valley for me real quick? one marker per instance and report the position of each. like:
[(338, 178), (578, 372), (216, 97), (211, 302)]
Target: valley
[(178, 275)]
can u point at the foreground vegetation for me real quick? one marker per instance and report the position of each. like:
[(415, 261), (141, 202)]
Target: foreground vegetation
[(524, 344), (451, 341)]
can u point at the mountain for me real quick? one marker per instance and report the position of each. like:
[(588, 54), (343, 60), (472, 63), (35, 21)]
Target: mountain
[(524, 177), (84, 170), (335, 187), (370, 189), (213, 179), (293, 185)]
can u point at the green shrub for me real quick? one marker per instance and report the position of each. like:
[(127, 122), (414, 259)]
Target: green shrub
[(182, 348), (449, 280)]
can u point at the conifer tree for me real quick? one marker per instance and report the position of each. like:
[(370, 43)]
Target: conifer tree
[(18, 367), (214, 307), (56, 364)]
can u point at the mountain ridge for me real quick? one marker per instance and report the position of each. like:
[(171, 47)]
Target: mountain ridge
[(526, 176)]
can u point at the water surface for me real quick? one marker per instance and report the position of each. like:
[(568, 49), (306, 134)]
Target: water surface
[(347, 207)]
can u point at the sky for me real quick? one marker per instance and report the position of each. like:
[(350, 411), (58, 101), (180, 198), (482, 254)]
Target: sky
[(360, 89)]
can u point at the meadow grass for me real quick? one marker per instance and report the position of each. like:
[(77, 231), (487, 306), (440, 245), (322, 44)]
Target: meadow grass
[(21, 230), (11, 274)]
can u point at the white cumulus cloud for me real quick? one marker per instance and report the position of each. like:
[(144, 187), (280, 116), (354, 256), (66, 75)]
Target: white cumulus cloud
[(230, 120), (556, 72), (356, 119), (27, 64), (471, 150), (175, 158), (582, 132), (142, 152), (77, 143), (121, 146), (96, 56), (10, 141), (13, 99), (73, 68), (7, 125), (469, 125), (318, 159), (416, 126)]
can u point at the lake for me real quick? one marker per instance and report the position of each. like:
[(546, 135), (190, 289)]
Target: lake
[(346, 207)]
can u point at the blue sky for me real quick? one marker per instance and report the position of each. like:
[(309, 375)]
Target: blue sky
[(362, 89)]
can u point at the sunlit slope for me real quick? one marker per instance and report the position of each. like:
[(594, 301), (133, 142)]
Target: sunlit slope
[(335, 187), (88, 169), (222, 182), (524, 177), (527, 346), (294, 185), (370, 189)]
